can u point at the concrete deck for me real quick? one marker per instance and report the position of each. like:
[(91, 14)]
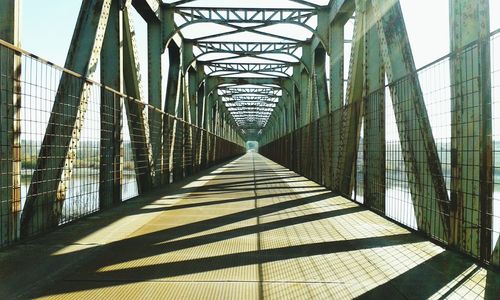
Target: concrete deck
[(247, 230)]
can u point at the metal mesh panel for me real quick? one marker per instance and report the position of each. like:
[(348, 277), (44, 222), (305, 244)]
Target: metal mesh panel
[(358, 192), (129, 186), (74, 146), (419, 189)]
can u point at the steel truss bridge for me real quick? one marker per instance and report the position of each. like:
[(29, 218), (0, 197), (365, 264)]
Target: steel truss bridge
[(418, 149)]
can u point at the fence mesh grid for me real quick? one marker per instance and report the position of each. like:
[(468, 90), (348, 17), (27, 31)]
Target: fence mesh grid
[(415, 191), (71, 146)]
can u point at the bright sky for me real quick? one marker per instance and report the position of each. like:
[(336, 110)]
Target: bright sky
[(47, 27)]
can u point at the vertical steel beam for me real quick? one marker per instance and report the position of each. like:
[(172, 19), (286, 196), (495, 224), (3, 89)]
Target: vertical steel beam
[(208, 110), (298, 124), (200, 102), (313, 96), (110, 173), (337, 63), (351, 123), (321, 83), (304, 103), (336, 90), (10, 125), (192, 98), (192, 115), (136, 111), (169, 107), (209, 122), (471, 139), (427, 185), (324, 109), (179, 132), (155, 49), (201, 95), (174, 57), (374, 117), (46, 194)]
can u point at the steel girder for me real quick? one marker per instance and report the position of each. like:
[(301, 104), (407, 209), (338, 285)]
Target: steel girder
[(471, 138), (248, 48), (10, 124), (239, 20), (413, 122), (110, 178), (137, 115), (270, 92), (191, 15)]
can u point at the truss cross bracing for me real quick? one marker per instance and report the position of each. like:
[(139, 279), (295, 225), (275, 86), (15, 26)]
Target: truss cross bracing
[(240, 41)]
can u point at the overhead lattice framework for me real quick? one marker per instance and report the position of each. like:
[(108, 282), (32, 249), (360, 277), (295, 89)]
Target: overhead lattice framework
[(236, 40)]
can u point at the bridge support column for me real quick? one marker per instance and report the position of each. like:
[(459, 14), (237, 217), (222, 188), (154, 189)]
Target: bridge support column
[(136, 110), (110, 173), (155, 49), (353, 112), (192, 117), (336, 89), (471, 139), (324, 168), (374, 118), (169, 124), (202, 136), (10, 125), (179, 131)]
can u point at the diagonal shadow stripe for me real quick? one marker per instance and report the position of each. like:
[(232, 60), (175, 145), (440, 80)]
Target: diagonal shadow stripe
[(165, 270), (225, 201)]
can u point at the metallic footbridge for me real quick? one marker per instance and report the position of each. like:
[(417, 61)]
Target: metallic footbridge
[(285, 149)]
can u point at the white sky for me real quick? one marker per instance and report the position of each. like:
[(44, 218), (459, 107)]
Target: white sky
[(47, 25)]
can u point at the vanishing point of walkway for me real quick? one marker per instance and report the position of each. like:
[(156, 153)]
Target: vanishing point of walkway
[(249, 229)]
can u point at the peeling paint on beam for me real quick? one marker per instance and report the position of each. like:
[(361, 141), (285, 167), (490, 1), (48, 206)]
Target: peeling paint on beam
[(413, 123), (471, 142)]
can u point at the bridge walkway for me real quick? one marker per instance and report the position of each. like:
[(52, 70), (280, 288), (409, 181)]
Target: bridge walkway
[(249, 229)]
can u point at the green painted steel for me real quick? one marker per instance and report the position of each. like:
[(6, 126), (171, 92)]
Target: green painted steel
[(155, 49), (221, 92), (136, 115), (10, 125), (344, 180), (413, 123), (55, 162), (471, 139), (374, 118), (110, 172)]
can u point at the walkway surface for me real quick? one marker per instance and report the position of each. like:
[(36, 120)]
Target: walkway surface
[(249, 229)]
